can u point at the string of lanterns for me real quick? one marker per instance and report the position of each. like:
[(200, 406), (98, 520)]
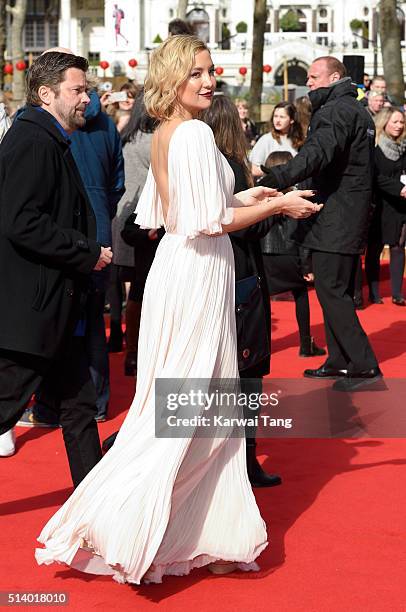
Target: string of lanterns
[(104, 65), (243, 70), (131, 62), (9, 68)]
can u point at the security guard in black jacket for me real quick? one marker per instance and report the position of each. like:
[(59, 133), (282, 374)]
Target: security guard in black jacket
[(338, 158)]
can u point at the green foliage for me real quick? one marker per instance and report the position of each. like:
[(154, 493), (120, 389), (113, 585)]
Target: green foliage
[(241, 27), (290, 22), (157, 39), (356, 24), (225, 31)]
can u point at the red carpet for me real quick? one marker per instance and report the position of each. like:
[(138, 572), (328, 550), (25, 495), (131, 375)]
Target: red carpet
[(336, 526)]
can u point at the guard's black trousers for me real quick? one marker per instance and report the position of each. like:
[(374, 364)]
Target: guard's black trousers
[(347, 343), (68, 379)]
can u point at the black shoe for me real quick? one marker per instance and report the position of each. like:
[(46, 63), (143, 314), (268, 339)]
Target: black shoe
[(130, 364), (308, 348), (398, 301), (257, 477), (376, 300), (325, 372), (357, 380), (359, 303), (108, 442)]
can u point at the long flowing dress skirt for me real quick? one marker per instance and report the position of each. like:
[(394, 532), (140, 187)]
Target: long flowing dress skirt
[(168, 504)]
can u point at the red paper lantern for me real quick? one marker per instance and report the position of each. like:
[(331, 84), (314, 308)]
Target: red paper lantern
[(267, 68), (104, 65), (8, 69), (21, 65), (219, 70), (132, 63), (242, 70)]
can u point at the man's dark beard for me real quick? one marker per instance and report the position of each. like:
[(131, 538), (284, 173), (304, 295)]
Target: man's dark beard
[(76, 122)]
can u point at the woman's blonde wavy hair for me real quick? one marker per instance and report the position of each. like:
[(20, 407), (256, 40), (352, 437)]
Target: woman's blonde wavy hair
[(170, 66), (382, 118)]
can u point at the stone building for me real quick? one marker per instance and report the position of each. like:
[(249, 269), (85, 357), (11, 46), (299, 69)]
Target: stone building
[(117, 31)]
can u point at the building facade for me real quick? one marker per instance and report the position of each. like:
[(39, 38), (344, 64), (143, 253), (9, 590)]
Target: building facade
[(117, 31)]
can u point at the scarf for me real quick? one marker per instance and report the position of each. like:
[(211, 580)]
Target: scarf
[(390, 148)]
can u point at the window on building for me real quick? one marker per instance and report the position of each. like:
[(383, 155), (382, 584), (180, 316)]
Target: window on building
[(41, 26), (200, 22), (36, 7), (323, 13), (93, 58)]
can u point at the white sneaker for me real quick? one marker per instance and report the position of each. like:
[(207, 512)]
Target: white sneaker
[(7, 443)]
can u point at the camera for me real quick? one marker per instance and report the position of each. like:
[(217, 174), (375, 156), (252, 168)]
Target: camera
[(118, 96)]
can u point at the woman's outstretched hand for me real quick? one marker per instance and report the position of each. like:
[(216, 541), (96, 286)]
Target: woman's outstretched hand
[(256, 195), (295, 205)]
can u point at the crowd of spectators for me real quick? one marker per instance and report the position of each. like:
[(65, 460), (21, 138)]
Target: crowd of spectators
[(112, 151)]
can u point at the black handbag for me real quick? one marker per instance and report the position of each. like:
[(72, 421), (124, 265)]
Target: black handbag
[(252, 333)]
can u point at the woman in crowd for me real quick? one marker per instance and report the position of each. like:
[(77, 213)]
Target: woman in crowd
[(136, 139), (226, 125), (288, 267), (389, 219), (158, 505), (249, 128), (304, 112), (120, 111), (286, 134)]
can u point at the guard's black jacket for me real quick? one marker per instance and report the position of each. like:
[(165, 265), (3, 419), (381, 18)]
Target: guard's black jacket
[(338, 156)]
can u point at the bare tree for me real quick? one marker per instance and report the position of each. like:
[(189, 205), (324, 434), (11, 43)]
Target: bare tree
[(182, 9), (18, 12), (3, 40), (260, 17), (389, 31)]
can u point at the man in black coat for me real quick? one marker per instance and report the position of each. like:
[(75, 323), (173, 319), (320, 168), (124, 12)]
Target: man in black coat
[(338, 156), (47, 251)]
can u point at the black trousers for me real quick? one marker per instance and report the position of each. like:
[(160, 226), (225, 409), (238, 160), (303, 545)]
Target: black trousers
[(284, 273), (68, 379), (396, 267), (347, 343), (248, 386)]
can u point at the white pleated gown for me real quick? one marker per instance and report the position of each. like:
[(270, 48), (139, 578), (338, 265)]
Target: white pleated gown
[(172, 504)]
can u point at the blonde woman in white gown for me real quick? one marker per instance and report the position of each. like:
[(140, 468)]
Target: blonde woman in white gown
[(155, 506)]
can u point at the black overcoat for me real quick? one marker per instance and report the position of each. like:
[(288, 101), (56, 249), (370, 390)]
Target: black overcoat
[(338, 156), (47, 236)]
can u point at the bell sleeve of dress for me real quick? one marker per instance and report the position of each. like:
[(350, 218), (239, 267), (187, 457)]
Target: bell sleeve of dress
[(149, 208), (201, 182)]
